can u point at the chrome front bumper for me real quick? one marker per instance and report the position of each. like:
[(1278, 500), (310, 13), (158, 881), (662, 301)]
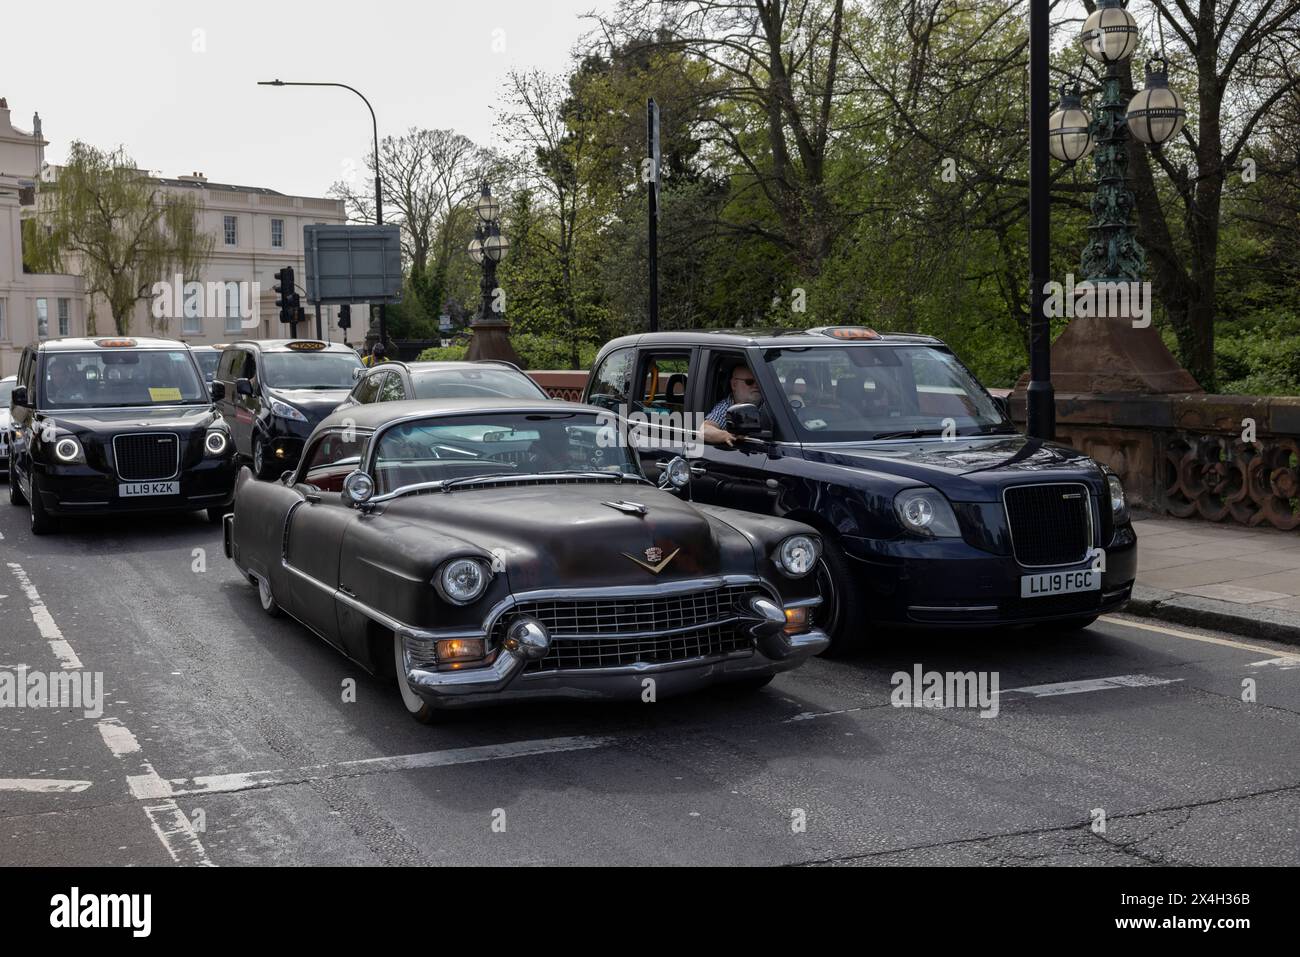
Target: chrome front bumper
[(773, 651)]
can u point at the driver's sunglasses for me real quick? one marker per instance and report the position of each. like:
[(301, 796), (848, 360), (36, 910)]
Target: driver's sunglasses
[(748, 382)]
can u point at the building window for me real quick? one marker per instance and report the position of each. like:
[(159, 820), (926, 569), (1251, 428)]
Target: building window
[(192, 311), (232, 232), (42, 318), (277, 233), (233, 323), (4, 335), (65, 317)]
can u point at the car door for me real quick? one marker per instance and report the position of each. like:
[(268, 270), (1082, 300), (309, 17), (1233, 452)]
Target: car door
[(316, 526), (737, 477), (243, 407), (658, 405), (22, 415)]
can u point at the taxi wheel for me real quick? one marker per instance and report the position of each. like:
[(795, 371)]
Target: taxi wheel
[(43, 523), (259, 460), (416, 707), (266, 598), (843, 612), (15, 493)]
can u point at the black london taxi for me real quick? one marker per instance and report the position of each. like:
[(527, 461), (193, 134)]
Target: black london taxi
[(483, 379), (935, 510), (273, 392), (207, 357), (115, 424)]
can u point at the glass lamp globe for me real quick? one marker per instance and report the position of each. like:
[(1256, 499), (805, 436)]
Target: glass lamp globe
[(1069, 129), (1156, 113), (1110, 33)]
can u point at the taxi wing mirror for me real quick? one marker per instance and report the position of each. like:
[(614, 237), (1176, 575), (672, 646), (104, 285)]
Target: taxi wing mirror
[(19, 397), (745, 418), (217, 390), (243, 387)]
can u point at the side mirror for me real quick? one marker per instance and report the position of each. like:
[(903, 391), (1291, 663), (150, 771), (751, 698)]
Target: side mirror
[(356, 373), (243, 387), (19, 397), (358, 487), (217, 390), (744, 418)]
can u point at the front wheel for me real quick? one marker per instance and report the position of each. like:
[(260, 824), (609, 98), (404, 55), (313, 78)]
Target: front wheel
[(843, 611), (416, 706), (263, 466), (267, 598), (43, 523)]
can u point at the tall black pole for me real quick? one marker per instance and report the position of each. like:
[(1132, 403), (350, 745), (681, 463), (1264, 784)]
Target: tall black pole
[(652, 153), (379, 196), (1040, 399)]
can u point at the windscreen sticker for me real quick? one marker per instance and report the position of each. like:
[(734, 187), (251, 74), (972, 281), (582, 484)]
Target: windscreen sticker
[(165, 395)]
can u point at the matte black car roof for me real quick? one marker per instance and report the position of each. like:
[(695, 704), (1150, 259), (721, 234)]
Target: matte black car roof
[(85, 344), (739, 338), (282, 345), (378, 414)]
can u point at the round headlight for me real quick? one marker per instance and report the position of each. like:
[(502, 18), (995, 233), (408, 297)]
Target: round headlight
[(462, 580), (917, 512), (1118, 503), (797, 555), (215, 443), (925, 512), (67, 450), (358, 487), (678, 472)]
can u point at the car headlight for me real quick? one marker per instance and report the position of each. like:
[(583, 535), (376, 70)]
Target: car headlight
[(797, 555), (1118, 503), (925, 512), (215, 442), (68, 450), (462, 580), (283, 410)]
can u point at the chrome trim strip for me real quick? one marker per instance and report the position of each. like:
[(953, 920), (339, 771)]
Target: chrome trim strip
[(118, 471), (640, 667), (1091, 541), (952, 607), (804, 603)]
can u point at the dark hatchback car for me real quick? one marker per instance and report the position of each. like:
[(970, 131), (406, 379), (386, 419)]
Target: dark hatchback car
[(936, 511), (273, 392), (113, 425), (486, 379)]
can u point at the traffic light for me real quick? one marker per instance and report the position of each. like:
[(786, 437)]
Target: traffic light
[(286, 299), (345, 316)]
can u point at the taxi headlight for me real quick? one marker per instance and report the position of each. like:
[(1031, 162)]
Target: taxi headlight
[(68, 450), (462, 580), (925, 512), (214, 443), (284, 410), (1118, 502)]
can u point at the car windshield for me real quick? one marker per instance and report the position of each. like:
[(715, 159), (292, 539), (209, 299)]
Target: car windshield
[(207, 360), (856, 393), (474, 382), (309, 370), (110, 378), (509, 445)]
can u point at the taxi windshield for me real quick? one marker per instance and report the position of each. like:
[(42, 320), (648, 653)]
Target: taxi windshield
[(497, 445), (310, 370), (861, 393), (112, 378)]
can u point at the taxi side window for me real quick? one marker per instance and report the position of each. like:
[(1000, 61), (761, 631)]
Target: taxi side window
[(368, 388), (612, 381), (392, 390), (663, 381)]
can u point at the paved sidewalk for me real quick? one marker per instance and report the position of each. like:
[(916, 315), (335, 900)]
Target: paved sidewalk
[(1228, 576)]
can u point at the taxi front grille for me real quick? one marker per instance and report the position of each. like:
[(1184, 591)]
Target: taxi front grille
[(577, 654), (146, 456), (1051, 524)]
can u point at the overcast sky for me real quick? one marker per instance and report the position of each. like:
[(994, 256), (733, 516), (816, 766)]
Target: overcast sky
[(175, 82)]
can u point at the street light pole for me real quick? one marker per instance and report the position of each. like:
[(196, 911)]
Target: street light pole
[(1040, 399), (379, 196)]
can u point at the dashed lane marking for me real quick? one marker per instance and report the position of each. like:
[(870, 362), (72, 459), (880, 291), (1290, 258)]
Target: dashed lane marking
[(45, 622), (42, 785), (1091, 684)]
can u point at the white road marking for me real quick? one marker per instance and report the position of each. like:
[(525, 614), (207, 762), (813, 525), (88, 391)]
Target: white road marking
[(149, 786), (1190, 636), (45, 622), (42, 785), (177, 834), (1285, 663), (1092, 684), (810, 715)]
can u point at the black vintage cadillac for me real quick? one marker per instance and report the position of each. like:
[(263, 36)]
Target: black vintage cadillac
[(484, 550)]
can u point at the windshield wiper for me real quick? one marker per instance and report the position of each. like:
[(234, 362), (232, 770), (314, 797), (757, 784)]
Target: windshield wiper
[(907, 434)]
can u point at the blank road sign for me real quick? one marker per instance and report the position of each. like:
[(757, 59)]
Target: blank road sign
[(353, 263)]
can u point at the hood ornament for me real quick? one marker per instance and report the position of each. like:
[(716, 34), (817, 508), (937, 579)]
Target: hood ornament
[(628, 508), (652, 561)]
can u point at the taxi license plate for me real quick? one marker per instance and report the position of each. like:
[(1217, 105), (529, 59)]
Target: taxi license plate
[(1060, 583), (149, 488)]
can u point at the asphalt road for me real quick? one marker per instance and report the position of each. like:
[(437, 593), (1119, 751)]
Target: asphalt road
[(226, 739)]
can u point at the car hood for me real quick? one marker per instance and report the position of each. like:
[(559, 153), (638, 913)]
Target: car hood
[(967, 468), (181, 418), (549, 536)]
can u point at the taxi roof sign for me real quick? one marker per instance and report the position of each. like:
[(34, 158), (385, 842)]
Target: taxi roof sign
[(847, 332), (306, 345), (114, 343)]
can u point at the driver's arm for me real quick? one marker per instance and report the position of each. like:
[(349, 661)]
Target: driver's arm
[(712, 431)]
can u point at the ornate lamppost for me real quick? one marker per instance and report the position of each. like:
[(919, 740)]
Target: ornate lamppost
[(490, 337)]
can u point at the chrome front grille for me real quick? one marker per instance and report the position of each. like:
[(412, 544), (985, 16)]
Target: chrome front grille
[(1051, 524), (603, 632), (147, 456)]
